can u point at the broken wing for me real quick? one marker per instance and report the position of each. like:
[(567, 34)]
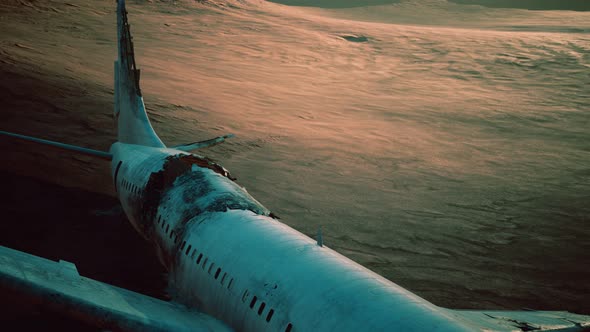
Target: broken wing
[(526, 320), (59, 287)]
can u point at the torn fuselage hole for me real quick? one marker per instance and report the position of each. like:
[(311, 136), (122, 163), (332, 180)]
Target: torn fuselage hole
[(159, 182), (185, 187)]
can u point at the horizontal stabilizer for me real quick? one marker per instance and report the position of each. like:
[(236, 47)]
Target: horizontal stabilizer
[(58, 287), (86, 151), (203, 144), (526, 320)]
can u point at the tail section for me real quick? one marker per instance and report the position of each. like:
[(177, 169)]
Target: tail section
[(133, 125)]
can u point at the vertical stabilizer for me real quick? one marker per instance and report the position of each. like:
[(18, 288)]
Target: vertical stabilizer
[(133, 125)]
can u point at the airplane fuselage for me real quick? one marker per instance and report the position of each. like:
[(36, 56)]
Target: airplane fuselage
[(228, 257)]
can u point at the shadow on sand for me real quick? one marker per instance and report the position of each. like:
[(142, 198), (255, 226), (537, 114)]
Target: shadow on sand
[(579, 5), (335, 3)]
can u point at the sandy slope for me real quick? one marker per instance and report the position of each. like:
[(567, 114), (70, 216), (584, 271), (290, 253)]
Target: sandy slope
[(451, 158), (451, 14)]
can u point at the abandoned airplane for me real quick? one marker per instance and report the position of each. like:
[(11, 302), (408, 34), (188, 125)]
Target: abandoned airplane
[(232, 265)]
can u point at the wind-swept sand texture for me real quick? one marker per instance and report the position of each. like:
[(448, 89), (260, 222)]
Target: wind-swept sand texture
[(445, 146)]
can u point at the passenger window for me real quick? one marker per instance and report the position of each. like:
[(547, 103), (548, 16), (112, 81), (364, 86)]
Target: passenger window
[(217, 272), (210, 267), (253, 302), (261, 309), (269, 316), (223, 278), (199, 258), (230, 283), (167, 228), (289, 327), (205, 263), (171, 234), (245, 296), (117, 173), (189, 250), (182, 245)]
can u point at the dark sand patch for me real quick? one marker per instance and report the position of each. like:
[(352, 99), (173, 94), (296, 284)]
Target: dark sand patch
[(578, 5), (355, 39), (78, 226), (335, 3)]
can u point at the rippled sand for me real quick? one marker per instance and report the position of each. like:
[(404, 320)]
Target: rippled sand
[(442, 145)]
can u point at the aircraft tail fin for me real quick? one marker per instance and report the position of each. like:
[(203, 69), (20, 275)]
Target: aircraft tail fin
[(133, 125)]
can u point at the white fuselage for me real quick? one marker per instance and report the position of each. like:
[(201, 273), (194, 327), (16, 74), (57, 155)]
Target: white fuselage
[(227, 257)]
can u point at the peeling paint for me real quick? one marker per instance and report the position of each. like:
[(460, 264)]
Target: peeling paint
[(158, 182), (184, 187)]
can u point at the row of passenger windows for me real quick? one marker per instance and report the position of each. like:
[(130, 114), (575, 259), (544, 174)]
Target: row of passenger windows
[(261, 308), (130, 187), (166, 227), (187, 250)]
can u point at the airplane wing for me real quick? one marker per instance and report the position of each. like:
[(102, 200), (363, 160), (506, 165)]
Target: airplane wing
[(58, 286), (526, 320)]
